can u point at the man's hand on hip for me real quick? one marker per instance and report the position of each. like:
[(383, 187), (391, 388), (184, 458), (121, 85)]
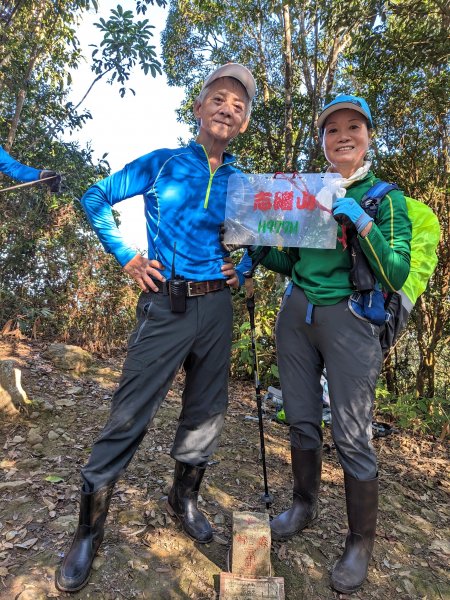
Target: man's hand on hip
[(143, 271)]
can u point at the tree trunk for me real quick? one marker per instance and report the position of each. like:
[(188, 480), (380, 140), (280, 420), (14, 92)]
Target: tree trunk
[(266, 96), (288, 108), (22, 93), (425, 376), (433, 308), (389, 373), (15, 121)]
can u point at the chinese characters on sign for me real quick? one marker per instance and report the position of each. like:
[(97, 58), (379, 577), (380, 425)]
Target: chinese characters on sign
[(282, 210), (285, 201)]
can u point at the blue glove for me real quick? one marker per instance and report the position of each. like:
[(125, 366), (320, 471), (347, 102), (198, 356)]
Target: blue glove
[(348, 207)]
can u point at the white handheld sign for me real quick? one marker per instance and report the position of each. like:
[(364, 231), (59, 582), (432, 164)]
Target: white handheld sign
[(292, 210)]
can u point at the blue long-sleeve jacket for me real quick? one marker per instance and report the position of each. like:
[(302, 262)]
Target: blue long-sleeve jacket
[(184, 202), (15, 169)]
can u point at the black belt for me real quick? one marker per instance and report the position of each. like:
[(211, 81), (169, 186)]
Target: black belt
[(194, 288)]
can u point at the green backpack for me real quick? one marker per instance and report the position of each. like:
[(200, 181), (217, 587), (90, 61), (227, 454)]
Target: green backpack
[(426, 233), (424, 242)]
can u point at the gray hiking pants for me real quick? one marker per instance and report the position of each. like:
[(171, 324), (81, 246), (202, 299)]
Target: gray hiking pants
[(351, 351), (162, 342)]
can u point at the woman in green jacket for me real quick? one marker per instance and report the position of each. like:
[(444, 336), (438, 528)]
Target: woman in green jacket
[(316, 326)]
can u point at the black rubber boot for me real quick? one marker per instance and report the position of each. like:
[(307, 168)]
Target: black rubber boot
[(350, 571), (76, 567), (182, 502), (306, 468)]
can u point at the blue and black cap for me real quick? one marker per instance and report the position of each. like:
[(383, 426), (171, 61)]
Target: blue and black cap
[(344, 101)]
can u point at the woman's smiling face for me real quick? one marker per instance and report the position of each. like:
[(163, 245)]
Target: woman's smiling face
[(345, 140)]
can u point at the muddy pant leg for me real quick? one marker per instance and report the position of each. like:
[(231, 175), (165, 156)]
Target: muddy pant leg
[(353, 358), (300, 366), (205, 396), (156, 349)]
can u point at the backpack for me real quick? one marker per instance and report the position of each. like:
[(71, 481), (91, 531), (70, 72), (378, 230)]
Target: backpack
[(424, 241)]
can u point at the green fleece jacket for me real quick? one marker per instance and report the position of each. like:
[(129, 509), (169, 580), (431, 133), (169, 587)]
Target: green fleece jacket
[(324, 274)]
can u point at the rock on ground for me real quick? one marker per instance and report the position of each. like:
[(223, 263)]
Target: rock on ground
[(67, 357), (13, 397)]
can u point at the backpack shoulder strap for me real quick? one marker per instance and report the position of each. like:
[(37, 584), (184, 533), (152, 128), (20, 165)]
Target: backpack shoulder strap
[(372, 198), (370, 203)]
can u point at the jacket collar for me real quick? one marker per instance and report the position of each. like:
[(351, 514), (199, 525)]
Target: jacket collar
[(200, 151)]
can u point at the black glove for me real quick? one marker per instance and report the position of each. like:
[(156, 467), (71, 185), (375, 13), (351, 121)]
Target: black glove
[(228, 247), (53, 180)]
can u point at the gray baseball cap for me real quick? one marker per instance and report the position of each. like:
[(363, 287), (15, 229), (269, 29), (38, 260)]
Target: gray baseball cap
[(237, 71)]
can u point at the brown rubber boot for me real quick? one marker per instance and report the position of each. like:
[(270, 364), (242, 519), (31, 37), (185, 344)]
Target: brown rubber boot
[(182, 502), (306, 468), (76, 567), (350, 571)]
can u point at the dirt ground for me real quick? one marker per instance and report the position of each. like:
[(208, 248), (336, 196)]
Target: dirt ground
[(144, 554)]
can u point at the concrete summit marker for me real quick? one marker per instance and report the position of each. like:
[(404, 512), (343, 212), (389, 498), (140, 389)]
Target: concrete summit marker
[(233, 587), (251, 569)]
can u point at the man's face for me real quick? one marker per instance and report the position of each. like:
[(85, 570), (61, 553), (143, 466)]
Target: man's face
[(223, 111)]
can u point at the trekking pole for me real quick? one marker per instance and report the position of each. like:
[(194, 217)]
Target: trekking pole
[(27, 184), (250, 302)]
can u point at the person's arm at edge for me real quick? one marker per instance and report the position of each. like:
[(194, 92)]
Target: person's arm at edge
[(16, 170)]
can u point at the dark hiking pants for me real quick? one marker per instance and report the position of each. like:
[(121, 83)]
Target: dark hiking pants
[(162, 342)]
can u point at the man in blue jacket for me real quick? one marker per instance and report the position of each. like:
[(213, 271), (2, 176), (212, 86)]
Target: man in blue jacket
[(184, 313), (16, 170)]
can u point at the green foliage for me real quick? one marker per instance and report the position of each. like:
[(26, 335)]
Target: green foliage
[(401, 67), (424, 415), (266, 309), (142, 5), (124, 44), (257, 33), (55, 279), (54, 479)]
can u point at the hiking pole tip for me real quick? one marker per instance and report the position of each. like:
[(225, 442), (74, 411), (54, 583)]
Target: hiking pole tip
[(267, 498)]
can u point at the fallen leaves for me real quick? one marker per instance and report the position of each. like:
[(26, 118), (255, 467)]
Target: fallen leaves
[(27, 544), (142, 545), (54, 479)]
